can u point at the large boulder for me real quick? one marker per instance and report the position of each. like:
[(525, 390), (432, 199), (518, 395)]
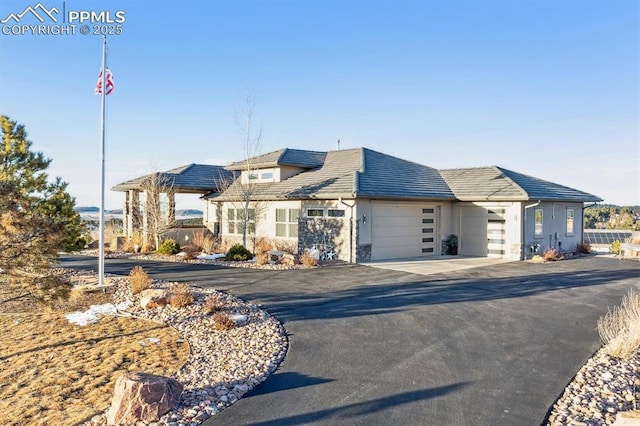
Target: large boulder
[(627, 418), (143, 397), (152, 297)]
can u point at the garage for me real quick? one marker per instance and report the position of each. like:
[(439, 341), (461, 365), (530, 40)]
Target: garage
[(473, 231), (403, 230)]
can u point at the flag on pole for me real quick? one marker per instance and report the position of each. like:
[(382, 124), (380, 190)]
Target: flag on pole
[(109, 79)]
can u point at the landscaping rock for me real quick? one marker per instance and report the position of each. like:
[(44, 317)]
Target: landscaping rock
[(143, 397), (157, 296), (289, 260), (628, 418)]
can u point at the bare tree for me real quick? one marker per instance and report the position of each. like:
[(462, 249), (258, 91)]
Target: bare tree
[(159, 207), (240, 192)]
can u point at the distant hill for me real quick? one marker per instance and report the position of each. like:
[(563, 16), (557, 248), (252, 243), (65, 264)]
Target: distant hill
[(87, 209), (189, 212)]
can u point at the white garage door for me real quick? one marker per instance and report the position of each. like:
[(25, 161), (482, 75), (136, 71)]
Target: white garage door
[(402, 230)]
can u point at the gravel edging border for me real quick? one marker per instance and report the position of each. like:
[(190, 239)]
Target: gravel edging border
[(244, 356), (603, 387)]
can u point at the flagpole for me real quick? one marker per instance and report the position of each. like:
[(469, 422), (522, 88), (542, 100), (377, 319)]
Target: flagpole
[(102, 143)]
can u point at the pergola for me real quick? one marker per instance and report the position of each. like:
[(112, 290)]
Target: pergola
[(189, 179)]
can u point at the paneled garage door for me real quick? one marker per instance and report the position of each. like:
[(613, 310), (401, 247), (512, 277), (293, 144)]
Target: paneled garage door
[(401, 230)]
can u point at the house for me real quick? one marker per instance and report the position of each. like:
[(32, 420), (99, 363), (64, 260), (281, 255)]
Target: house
[(189, 179), (364, 205)]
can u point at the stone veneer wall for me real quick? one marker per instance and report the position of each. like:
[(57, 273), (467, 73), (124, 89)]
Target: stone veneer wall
[(329, 231)]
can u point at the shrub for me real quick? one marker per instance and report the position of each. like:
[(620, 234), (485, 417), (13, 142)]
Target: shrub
[(222, 321), (615, 247), (583, 247), (190, 252), (139, 279), (213, 303), (308, 260), (180, 295), (239, 252), (550, 254), (619, 329), (169, 246), (204, 241), (262, 258), (262, 246)]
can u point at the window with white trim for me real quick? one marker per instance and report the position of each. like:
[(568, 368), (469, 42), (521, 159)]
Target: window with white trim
[(315, 212), (335, 213), (538, 218), (287, 223), (570, 218), (235, 221)]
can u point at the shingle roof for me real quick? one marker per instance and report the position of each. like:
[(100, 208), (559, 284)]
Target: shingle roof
[(496, 183), (358, 172), (539, 189), (283, 157), (191, 178), (385, 176)]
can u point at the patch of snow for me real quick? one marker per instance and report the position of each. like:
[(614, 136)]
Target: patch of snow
[(238, 318), (152, 340), (211, 256), (91, 315)]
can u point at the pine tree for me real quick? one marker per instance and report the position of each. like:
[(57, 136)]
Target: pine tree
[(36, 215)]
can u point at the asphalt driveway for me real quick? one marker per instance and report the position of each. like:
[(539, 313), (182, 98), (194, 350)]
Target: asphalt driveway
[(483, 346)]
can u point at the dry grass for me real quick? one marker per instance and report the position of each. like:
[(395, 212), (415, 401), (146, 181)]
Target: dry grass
[(213, 303), (54, 373), (308, 260), (139, 279), (619, 329), (204, 241), (583, 247), (222, 321), (181, 295), (262, 258), (549, 255), (262, 245)]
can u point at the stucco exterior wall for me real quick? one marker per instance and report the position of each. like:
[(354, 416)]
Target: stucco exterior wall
[(554, 227)]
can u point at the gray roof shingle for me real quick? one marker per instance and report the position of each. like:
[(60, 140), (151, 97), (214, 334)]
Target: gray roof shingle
[(385, 176), (357, 172), (496, 183), (283, 157), (191, 178)]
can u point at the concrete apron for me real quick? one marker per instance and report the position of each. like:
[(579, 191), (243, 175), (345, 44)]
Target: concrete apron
[(435, 265)]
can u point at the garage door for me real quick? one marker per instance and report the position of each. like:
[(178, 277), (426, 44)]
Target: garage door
[(401, 230), (473, 232)]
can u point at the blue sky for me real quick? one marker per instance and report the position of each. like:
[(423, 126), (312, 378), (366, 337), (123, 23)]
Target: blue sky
[(546, 88)]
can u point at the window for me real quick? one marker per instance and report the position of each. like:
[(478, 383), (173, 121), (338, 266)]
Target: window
[(538, 223), (315, 212), (235, 221), (335, 212), (266, 175), (253, 176), (427, 211), (231, 220), (287, 223), (293, 223), (429, 220), (570, 214)]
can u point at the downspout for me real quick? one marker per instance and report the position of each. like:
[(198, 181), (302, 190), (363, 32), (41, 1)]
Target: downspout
[(524, 226), (350, 226)]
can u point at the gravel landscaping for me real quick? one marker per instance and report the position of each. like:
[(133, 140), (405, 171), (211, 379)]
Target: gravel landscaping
[(223, 364), (603, 387)]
